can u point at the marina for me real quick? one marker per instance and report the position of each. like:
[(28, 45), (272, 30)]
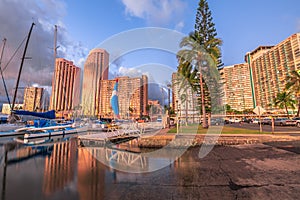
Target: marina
[(67, 170)]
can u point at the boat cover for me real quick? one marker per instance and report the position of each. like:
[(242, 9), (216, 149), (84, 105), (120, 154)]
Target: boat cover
[(48, 115)]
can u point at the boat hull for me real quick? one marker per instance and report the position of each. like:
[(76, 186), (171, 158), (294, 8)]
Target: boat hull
[(35, 136)]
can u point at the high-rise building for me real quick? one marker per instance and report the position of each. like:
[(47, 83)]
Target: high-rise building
[(107, 87), (185, 101), (95, 70), (132, 95), (270, 67), (65, 86), (175, 93), (145, 94), (237, 86), (33, 98)]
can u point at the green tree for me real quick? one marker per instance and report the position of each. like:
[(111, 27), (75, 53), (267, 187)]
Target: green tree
[(293, 85), (201, 49), (207, 33), (186, 81), (228, 109), (284, 100)]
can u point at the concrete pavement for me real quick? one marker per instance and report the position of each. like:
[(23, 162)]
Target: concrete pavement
[(255, 171)]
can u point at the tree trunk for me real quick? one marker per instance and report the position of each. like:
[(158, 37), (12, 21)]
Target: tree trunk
[(298, 112), (204, 122), (186, 108), (193, 101), (286, 109)]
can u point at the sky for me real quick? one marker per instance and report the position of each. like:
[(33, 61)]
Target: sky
[(84, 25)]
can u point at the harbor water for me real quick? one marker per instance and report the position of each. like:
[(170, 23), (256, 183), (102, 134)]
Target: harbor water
[(68, 170)]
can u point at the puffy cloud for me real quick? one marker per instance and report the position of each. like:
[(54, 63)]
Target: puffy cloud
[(155, 12), (130, 72), (16, 17)]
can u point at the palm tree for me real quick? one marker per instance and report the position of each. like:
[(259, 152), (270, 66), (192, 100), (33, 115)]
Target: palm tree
[(284, 100), (185, 81), (293, 85), (202, 59), (201, 49)]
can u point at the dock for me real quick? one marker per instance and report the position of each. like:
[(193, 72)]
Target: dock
[(104, 137), (7, 130)]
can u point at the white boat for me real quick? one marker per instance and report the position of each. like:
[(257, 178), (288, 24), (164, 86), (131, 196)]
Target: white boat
[(34, 135), (42, 141)]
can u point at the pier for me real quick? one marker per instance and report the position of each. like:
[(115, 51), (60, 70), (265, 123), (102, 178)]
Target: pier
[(103, 138)]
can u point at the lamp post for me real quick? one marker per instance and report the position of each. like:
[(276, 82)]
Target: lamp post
[(177, 124), (169, 95)]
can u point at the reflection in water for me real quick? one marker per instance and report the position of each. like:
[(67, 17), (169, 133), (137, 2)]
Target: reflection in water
[(65, 171), (127, 157), (91, 176), (59, 167)]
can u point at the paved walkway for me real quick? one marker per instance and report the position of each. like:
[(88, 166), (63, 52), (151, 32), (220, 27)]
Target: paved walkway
[(257, 171)]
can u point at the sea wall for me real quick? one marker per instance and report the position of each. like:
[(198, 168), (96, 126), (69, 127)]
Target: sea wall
[(160, 141)]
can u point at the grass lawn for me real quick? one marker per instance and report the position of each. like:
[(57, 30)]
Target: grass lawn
[(215, 129)]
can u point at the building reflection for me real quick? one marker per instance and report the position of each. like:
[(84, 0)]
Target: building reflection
[(60, 167), (91, 175)]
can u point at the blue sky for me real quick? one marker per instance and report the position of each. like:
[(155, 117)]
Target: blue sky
[(83, 25), (242, 25)]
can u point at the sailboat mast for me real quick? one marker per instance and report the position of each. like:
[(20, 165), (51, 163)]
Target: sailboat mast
[(53, 102), (20, 70), (55, 44), (4, 84)]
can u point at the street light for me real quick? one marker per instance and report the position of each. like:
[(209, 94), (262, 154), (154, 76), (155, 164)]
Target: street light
[(177, 124)]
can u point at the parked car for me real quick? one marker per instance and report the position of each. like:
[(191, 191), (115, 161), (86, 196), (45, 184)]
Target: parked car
[(284, 121), (216, 121), (255, 121), (246, 120), (297, 119), (266, 121), (226, 121), (234, 120)]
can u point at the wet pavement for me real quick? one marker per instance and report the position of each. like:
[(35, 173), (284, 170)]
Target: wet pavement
[(257, 171)]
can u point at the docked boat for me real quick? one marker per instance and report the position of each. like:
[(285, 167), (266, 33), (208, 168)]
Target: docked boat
[(98, 125), (42, 141), (33, 135)]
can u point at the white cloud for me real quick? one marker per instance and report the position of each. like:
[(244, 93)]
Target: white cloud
[(155, 12), (130, 72), (16, 17), (179, 26)]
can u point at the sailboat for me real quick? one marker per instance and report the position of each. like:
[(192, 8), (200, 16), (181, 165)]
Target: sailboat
[(46, 127), (4, 128)]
